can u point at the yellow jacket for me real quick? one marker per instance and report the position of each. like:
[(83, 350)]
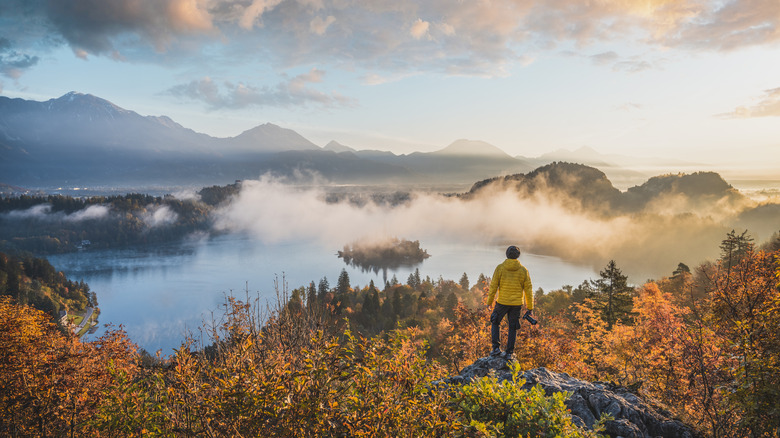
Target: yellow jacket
[(512, 282)]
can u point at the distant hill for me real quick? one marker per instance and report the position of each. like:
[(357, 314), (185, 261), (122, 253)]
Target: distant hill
[(335, 146), (80, 139), (592, 190), (622, 170), (271, 138), (588, 186), (472, 148)]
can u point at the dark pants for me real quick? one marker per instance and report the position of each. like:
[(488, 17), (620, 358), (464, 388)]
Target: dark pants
[(513, 320)]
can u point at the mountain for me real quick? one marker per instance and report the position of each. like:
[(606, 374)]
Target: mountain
[(472, 148), (584, 155), (81, 139), (271, 138), (460, 162), (335, 146)]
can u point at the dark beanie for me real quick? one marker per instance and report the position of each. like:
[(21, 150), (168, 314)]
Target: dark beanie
[(512, 252)]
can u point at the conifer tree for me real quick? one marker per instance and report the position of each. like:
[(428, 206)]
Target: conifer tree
[(342, 286), (311, 294), (323, 289), (414, 280), (613, 296), (464, 281), (734, 247)]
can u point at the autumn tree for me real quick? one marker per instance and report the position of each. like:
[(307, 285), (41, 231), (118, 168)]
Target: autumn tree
[(51, 383), (745, 306)]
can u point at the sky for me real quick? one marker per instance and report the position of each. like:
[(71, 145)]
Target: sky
[(697, 80)]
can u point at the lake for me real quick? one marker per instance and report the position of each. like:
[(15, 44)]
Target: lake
[(158, 293)]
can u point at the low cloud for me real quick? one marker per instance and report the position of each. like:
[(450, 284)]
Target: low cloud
[(35, 212), (767, 106), (295, 91), (544, 223), (159, 216), (90, 213), (43, 212)]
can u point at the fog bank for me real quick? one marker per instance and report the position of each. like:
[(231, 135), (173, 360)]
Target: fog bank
[(645, 245)]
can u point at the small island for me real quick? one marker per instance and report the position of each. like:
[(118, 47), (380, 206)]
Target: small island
[(386, 254)]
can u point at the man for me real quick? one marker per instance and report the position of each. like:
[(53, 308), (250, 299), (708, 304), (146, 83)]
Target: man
[(513, 284)]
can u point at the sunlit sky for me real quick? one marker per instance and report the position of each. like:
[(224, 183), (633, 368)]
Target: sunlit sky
[(694, 79)]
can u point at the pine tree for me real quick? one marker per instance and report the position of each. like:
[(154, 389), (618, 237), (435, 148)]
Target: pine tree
[(734, 247), (323, 289), (613, 296), (342, 286), (464, 281), (682, 268), (482, 280), (311, 294), (414, 280)]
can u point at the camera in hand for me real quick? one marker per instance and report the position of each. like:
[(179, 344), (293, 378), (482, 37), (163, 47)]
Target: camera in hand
[(530, 318)]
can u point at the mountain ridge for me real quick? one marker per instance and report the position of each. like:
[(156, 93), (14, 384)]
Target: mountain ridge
[(83, 139)]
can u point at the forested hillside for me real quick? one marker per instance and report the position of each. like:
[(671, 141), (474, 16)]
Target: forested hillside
[(55, 224), (35, 282)]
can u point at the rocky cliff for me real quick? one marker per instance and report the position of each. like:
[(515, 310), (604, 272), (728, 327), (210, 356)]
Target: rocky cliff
[(633, 416)]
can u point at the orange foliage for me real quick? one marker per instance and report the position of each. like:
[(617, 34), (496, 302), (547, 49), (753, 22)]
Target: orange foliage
[(50, 382)]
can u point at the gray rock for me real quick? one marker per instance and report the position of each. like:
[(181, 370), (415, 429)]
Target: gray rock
[(632, 416)]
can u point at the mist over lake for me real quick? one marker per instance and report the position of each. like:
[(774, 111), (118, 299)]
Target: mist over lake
[(159, 293)]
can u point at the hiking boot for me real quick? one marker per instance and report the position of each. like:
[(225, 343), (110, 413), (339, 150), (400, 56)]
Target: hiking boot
[(508, 356), (496, 352)]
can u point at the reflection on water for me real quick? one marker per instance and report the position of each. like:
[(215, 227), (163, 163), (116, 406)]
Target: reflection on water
[(156, 294)]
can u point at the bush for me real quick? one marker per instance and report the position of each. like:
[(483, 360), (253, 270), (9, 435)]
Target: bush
[(487, 408)]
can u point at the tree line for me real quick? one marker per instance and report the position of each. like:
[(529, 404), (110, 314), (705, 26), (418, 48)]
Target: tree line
[(57, 224), (35, 282)]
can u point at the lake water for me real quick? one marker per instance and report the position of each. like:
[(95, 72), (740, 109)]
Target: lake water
[(156, 294)]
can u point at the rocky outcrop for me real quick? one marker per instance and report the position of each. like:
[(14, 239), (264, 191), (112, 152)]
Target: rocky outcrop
[(632, 416)]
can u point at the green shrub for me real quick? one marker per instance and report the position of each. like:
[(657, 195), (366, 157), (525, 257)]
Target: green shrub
[(487, 408)]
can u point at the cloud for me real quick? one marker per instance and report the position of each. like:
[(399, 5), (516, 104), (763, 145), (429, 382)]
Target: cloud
[(98, 26), (40, 211), (159, 216), (604, 58), (419, 29), (543, 223), (43, 212), (633, 64), (254, 12), (319, 25), (728, 25), (12, 62), (294, 91), (767, 106), (461, 38), (92, 212)]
